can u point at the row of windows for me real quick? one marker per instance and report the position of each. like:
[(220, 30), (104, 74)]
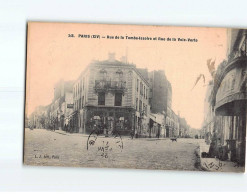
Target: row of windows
[(103, 74), (78, 104), (142, 107), (78, 88), (143, 89), (117, 101)]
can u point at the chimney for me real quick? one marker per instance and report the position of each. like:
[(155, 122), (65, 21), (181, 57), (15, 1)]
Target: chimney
[(111, 57)]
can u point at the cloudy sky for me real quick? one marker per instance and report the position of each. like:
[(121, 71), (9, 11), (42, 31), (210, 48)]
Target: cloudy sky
[(52, 55)]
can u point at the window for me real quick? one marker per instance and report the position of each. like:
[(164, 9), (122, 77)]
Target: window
[(101, 98), (137, 84), (103, 74), (141, 88), (120, 75), (136, 103), (140, 105), (118, 99)]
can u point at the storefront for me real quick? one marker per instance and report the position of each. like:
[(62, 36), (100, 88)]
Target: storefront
[(108, 120), (230, 110)]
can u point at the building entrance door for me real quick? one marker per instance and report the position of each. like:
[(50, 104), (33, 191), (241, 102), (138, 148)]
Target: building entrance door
[(110, 125)]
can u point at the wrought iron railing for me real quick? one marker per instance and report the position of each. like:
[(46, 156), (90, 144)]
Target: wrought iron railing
[(110, 85)]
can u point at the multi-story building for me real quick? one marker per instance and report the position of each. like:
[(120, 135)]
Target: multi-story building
[(159, 92), (160, 101), (111, 96), (229, 98), (62, 104), (209, 117), (172, 123), (169, 95), (169, 124), (183, 127), (37, 119), (176, 124)]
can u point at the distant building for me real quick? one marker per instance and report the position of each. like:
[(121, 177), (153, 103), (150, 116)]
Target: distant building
[(62, 105), (183, 128), (37, 118), (160, 100), (176, 125), (160, 91), (169, 95)]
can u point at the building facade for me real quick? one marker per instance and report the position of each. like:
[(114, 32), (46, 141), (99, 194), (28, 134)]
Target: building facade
[(229, 101), (158, 97), (61, 106), (209, 116), (111, 96), (37, 119), (160, 100)]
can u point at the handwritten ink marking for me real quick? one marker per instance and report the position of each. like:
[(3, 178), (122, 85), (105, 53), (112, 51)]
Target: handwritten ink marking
[(104, 149), (91, 142), (218, 166), (102, 145)]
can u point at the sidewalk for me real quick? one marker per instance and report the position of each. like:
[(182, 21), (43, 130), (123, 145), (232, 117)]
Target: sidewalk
[(124, 136), (216, 165), (81, 134)]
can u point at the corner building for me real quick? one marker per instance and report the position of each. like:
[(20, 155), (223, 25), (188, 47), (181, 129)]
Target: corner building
[(111, 96)]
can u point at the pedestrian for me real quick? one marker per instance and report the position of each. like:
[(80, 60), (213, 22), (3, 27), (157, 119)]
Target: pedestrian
[(132, 133)]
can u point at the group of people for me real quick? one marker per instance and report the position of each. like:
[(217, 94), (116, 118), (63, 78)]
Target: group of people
[(68, 128)]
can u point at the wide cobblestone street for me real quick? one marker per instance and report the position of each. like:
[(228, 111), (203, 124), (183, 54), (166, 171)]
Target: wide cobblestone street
[(43, 147)]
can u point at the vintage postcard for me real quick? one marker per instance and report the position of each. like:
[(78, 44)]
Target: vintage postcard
[(136, 96)]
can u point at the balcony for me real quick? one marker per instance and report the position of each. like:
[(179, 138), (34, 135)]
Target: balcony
[(238, 60), (104, 86)]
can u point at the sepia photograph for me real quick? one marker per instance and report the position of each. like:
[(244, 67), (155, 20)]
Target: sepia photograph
[(135, 97)]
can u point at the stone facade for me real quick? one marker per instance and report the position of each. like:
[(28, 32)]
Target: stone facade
[(158, 91), (114, 96), (61, 106), (111, 96), (228, 100)]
